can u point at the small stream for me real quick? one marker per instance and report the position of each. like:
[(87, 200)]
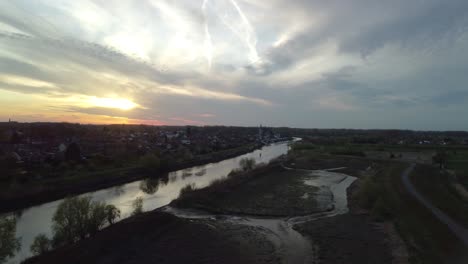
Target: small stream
[(156, 193), (290, 245)]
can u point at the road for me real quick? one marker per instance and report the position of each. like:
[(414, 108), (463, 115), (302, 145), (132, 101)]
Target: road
[(458, 230)]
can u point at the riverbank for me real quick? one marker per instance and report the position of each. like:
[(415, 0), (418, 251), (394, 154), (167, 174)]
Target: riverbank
[(24, 196), (157, 237), (269, 190)]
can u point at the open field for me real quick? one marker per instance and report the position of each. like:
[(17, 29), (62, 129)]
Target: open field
[(458, 161), (428, 240), (437, 187)]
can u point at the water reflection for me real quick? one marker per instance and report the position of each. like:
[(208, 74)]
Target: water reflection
[(201, 172), (155, 194), (173, 177), (149, 185), (118, 190), (186, 174)]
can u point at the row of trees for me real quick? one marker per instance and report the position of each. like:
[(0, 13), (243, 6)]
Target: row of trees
[(78, 218), (75, 219)]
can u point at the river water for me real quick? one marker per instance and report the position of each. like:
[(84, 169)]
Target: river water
[(155, 194)]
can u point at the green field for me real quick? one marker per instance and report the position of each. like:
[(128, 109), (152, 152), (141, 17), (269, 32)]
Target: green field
[(428, 240), (458, 161)]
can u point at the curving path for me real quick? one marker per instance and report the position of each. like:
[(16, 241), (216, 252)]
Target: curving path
[(458, 230)]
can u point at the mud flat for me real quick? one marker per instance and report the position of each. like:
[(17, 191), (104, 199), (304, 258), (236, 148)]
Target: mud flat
[(269, 191)]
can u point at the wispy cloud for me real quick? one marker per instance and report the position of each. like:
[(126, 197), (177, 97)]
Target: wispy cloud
[(278, 62)]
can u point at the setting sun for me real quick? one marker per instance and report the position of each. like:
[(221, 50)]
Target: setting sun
[(117, 103)]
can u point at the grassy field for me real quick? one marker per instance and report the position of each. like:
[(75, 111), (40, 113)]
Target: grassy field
[(437, 187), (428, 240), (458, 161)]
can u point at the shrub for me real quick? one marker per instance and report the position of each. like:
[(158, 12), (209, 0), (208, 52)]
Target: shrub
[(112, 213), (234, 173), (9, 244), (41, 244), (187, 189), (137, 206), (150, 162), (247, 164), (368, 193)]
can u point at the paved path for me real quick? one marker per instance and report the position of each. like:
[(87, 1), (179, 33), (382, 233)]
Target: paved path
[(458, 230)]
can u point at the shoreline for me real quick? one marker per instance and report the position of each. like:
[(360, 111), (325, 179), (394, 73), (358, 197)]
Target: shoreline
[(133, 174)]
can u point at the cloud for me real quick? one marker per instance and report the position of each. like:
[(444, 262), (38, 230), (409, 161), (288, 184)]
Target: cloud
[(298, 63)]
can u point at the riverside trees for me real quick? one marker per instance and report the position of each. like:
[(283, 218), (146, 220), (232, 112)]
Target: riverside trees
[(75, 219)]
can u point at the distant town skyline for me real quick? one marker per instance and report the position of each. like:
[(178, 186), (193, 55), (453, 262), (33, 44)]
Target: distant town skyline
[(309, 64)]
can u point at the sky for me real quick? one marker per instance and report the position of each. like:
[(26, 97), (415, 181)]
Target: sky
[(301, 63)]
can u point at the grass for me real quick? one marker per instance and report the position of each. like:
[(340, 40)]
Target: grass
[(437, 187), (458, 161), (428, 240)]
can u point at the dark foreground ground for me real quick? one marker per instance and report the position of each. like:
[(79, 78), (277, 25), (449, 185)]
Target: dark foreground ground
[(157, 237)]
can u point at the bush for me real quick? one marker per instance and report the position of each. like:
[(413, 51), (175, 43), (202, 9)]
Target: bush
[(79, 217), (368, 193), (187, 189), (247, 164), (41, 244), (9, 244), (137, 206), (112, 213), (234, 173)]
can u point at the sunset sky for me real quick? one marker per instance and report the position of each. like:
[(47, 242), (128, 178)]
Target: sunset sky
[(325, 64)]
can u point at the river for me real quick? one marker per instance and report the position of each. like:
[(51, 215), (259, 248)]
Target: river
[(155, 194)]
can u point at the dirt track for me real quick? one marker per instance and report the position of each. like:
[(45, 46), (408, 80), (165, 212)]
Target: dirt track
[(458, 230)]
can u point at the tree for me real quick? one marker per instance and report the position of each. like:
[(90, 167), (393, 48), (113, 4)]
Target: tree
[(41, 244), (9, 244), (247, 164), (150, 162), (440, 158), (79, 217), (112, 213), (137, 206)]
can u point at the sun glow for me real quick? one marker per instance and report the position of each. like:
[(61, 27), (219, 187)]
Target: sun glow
[(117, 103)]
